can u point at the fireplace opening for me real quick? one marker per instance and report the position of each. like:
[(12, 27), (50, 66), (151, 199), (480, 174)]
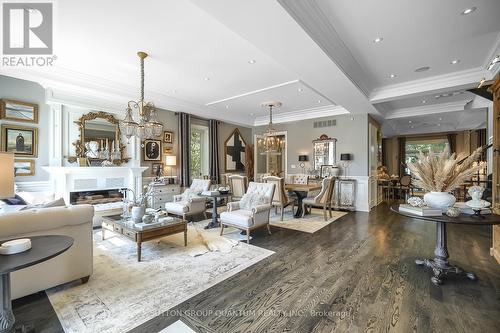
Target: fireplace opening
[(95, 197)]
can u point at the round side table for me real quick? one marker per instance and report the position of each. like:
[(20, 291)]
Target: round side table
[(42, 249), (440, 265)]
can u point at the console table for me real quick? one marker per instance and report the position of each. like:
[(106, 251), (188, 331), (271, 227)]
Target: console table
[(42, 249), (440, 265)]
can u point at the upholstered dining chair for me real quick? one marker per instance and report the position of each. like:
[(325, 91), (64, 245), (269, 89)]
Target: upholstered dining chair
[(322, 199), (301, 179), (280, 198), (238, 185), (252, 211), (190, 203)]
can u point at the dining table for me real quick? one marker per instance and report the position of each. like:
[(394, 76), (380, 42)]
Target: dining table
[(301, 191)]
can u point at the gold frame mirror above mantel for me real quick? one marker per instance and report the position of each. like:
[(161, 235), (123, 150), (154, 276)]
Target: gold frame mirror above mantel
[(103, 129)]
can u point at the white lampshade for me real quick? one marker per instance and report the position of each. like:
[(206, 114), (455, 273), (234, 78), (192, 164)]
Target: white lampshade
[(171, 160), (6, 175)]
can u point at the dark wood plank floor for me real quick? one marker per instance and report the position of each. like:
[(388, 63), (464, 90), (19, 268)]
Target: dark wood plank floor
[(357, 275)]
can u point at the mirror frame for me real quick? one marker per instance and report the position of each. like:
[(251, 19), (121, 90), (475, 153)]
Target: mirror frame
[(80, 142), (325, 139)]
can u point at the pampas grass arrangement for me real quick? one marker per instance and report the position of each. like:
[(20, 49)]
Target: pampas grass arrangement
[(441, 172)]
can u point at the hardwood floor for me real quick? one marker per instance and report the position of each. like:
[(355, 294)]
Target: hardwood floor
[(357, 275)]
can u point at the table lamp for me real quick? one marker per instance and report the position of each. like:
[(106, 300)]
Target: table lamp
[(302, 160), (171, 161), (345, 161), (7, 177)]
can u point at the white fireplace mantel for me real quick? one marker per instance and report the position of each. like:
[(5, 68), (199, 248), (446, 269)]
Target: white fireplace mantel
[(75, 179)]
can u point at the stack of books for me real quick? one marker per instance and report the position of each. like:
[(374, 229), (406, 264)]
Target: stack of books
[(420, 211)]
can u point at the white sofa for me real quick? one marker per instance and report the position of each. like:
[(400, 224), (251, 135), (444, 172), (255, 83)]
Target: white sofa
[(259, 197), (75, 263), (190, 203)]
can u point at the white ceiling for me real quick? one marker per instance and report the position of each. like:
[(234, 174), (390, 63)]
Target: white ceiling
[(322, 47)]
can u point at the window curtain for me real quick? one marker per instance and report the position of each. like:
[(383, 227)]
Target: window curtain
[(402, 155), (184, 148), (213, 145), (384, 152), (452, 142)]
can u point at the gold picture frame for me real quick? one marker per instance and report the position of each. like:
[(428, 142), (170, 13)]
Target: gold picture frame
[(24, 167), (20, 140), (18, 111), (152, 150), (168, 136)]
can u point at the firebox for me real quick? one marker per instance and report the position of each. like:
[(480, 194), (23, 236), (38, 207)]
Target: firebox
[(95, 197)]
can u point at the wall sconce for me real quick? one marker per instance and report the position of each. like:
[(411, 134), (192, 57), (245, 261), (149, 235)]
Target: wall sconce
[(302, 160)]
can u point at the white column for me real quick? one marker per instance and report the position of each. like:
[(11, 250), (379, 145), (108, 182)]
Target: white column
[(55, 135)]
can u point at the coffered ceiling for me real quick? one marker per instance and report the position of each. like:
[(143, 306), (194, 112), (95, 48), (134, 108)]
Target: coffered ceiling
[(222, 58)]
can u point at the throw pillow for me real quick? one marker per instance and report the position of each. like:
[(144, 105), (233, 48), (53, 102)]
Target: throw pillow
[(250, 200), (16, 200), (55, 203)]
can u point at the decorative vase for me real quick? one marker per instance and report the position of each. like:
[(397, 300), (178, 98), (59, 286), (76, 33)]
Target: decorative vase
[(441, 200), (137, 213)]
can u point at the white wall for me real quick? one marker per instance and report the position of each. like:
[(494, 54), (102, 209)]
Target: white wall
[(31, 92)]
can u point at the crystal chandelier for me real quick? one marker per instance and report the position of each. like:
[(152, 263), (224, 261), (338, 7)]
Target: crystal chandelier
[(148, 126), (271, 143)]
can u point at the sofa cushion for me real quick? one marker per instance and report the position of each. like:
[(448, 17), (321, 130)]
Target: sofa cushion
[(37, 198), (177, 207), (16, 200), (240, 217)]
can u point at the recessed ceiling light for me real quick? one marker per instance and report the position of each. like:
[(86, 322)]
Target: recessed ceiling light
[(252, 61), (412, 126), (300, 90), (207, 79), (378, 40), (440, 118), (422, 69), (392, 76), (319, 101), (439, 124), (251, 114), (409, 121), (424, 101), (227, 106), (455, 61), (468, 11), (437, 96)]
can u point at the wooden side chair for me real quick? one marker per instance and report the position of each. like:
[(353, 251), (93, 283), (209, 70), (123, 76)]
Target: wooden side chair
[(238, 185), (323, 199), (280, 198)]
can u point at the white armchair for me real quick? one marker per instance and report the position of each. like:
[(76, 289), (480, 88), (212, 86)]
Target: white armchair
[(189, 202), (252, 211)]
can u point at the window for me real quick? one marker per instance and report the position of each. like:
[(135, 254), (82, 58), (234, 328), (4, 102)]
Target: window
[(413, 147), (199, 151)]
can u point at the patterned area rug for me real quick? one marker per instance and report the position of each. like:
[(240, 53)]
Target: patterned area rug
[(310, 223), (123, 293)]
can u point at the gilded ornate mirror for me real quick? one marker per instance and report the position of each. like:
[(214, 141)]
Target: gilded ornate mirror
[(99, 139), (324, 149)]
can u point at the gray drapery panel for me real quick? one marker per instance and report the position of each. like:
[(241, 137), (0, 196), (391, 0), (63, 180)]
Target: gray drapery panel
[(213, 133), (452, 142), (402, 155), (184, 148)]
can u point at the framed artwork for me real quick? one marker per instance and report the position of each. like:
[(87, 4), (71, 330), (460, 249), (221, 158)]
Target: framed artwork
[(152, 150), (234, 152), (326, 170), (157, 169), (168, 151), (168, 137), (18, 111), (20, 140), (24, 167)]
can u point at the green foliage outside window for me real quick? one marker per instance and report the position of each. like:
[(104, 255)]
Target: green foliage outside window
[(196, 154)]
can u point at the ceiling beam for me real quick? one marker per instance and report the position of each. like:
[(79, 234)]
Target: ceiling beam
[(428, 109)]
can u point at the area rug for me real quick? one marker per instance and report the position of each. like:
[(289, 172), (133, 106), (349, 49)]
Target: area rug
[(310, 223), (123, 293)]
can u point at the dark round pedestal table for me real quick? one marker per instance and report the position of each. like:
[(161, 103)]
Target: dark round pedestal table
[(440, 265), (42, 249), (215, 215)]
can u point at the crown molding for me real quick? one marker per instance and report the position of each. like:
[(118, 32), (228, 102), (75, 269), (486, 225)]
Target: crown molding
[(85, 91), (286, 117), (428, 109), (459, 80)]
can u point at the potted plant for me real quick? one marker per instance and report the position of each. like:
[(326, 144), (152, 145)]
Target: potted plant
[(441, 173)]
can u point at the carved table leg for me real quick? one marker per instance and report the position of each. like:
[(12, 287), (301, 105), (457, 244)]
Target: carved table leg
[(6, 315), (440, 265)]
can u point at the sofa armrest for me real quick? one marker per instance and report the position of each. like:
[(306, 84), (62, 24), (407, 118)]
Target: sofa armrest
[(233, 206)]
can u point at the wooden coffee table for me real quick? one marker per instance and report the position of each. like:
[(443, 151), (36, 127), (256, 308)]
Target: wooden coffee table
[(126, 228)]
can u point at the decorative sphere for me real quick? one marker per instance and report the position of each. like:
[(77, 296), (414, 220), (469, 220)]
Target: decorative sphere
[(453, 212)]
